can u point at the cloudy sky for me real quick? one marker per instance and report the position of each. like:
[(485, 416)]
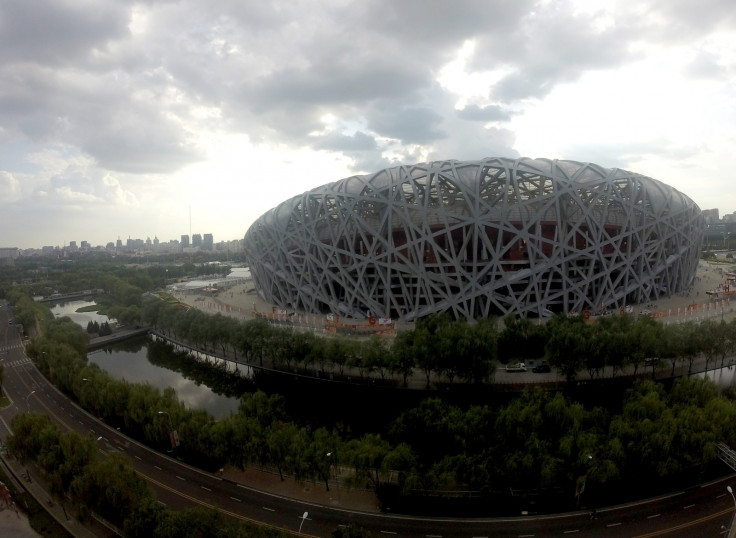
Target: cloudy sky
[(121, 118)]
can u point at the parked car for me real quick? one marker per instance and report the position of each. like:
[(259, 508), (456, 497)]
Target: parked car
[(518, 367), (541, 368)]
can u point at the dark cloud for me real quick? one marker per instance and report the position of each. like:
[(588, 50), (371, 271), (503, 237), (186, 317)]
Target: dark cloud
[(58, 32), (549, 47), (409, 124), (359, 141), (485, 114)]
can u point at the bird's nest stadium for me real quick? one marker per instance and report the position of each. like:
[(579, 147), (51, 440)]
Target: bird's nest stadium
[(497, 236)]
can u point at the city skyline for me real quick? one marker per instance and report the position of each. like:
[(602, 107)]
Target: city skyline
[(195, 241), (144, 119)]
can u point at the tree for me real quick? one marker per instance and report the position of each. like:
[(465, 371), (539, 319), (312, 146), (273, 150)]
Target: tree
[(254, 338), (323, 442), (375, 355), (32, 433), (366, 458), (402, 355), (337, 350), (478, 354), (644, 339), (280, 441), (110, 487), (451, 348), (426, 341), (520, 339), (568, 345)]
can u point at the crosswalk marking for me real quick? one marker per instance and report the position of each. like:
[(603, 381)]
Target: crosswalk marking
[(19, 362)]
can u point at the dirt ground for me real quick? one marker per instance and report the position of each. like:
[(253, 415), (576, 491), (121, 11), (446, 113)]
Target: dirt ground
[(15, 525), (241, 299)]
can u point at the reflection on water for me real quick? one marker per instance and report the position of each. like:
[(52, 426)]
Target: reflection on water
[(133, 366), (129, 361), (80, 318)]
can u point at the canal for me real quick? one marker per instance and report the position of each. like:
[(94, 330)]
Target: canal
[(129, 361)]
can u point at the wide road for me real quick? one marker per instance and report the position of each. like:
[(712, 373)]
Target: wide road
[(700, 511)]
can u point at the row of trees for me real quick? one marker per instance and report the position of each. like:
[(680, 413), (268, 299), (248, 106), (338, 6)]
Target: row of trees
[(456, 350), (575, 346), (542, 440), (109, 486), (100, 329)]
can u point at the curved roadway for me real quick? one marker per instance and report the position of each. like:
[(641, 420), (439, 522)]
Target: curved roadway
[(705, 510)]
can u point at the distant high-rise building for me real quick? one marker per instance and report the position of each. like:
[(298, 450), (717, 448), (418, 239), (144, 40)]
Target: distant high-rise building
[(184, 243), (197, 240), (134, 244), (710, 215), (208, 242), (155, 242)]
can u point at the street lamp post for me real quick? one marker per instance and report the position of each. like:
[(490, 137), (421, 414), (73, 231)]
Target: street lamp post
[(28, 404), (731, 528), (332, 457), (304, 516)]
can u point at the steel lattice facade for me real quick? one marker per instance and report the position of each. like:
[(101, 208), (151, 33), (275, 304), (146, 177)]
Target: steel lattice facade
[(497, 236)]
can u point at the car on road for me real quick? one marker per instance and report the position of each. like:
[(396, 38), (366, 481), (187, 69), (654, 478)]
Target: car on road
[(518, 367)]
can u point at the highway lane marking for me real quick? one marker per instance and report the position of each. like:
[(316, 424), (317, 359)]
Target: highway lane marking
[(213, 507), (180, 478), (686, 525), (433, 535), (269, 509), (388, 532), (236, 499), (613, 524), (157, 467), (525, 535), (688, 506), (653, 516), (137, 457), (205, 488), (721, 495), (571, 532)]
